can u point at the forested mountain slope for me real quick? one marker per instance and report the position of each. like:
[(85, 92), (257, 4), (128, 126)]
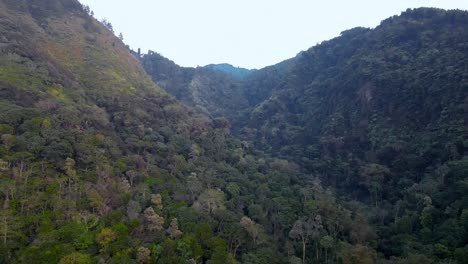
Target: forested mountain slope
[(216, 90), (99, 165), (381, 117)]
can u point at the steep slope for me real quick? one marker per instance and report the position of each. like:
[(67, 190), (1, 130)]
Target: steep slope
[(212, 91), (216, 90), (99, 165), (379, 115)]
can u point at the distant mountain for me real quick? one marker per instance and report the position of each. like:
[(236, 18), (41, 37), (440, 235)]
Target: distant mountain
[(236, 72), (216, 90)]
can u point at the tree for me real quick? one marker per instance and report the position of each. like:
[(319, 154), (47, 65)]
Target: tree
[(105, 238), (154, 222), (133, 210), (233, 189), (219, 254), (464, 218), (326, 242), (4, 165), (373, 176), (189, 248), (107, 24), (143, 255), (295, 260), (303, 229), (194, 185), (76, 258), (8, 141), (87, 9), (173, 229), (87, 219), (132, 175), (251, 227), (426, 214), (71, 174), (7, 188), (358, 254), (210, 201), (156, 200), (461, 254)]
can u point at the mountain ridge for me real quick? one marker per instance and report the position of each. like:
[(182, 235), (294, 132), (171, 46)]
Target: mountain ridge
[(375, 114), (352, 152), (100, 165)]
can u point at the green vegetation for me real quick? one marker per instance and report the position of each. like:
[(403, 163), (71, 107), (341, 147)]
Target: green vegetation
[(100, 165), (380, 117)]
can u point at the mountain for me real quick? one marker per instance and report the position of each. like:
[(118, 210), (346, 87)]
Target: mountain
[(379, 116), (354, 151), (220, 91), (209, 90), (235, 72), (98, 164)]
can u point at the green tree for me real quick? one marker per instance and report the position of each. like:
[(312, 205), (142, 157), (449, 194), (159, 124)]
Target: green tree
[(327, 242), (105, 238), (77, 258), (373, 176), (233, 189)]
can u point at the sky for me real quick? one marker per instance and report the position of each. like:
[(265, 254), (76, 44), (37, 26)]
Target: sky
[(244, 33)]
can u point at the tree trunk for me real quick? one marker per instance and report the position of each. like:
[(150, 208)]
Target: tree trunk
[(235, 249), (303, 251), (316, 251), (5, 222), (5, 230), (326, 255)]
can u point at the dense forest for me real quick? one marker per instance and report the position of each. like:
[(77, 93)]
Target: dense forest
[(354, 151), (378, 115)]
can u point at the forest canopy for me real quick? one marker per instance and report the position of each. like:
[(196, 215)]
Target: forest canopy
[(355, 151)]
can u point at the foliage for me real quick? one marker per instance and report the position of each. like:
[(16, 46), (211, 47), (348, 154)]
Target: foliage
[(100, 165), (378, 115)]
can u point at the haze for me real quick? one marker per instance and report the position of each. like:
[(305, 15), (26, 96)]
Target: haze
[(245, 33)]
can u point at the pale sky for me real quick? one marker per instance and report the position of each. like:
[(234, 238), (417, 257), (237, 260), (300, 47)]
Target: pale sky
[(245, 33)]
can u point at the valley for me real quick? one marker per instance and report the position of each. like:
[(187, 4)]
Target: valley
[(354, 151)]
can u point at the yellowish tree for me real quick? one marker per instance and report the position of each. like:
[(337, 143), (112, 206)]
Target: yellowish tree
[(154, 222)]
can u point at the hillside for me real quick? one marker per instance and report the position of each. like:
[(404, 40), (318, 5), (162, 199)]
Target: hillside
[(380, 117), (354, 151), (212, 92), (100, 165), (220, 91)]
